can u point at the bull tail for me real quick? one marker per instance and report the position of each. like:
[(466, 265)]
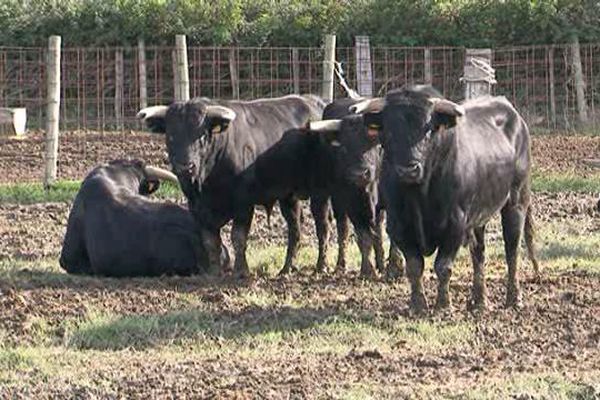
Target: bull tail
[(530, 240)]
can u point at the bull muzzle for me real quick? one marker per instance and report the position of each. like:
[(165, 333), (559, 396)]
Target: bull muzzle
[(188, 169), (411, 174)]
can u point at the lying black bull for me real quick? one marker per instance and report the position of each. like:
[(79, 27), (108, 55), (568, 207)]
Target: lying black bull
[(446, 170), (114, 230), (212, 148)]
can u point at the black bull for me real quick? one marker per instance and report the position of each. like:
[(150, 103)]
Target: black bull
[(333, 159), (114, 230), (213, 147), (447, 170)]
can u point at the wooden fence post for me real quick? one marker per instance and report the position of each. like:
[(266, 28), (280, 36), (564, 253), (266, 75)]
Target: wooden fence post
[(296, 70), (328, 65), (364, 73), (579, 81), (119, 88), (552, 88), (233, 71), (427, 77), (182, 80), (53, 109), (477, 81), (142, 74)]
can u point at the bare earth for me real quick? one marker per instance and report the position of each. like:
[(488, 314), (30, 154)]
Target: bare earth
[(301, 337)]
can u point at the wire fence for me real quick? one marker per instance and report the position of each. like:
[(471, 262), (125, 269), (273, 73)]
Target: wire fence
[(100, 87)]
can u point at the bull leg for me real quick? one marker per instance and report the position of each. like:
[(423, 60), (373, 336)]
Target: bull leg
[(477, 249), (365, 244), (341, 224), (319, 208), (212, 243), (443, 270), (290, 208), (378, 238), (513, 219), (239, 239), (414, 269)]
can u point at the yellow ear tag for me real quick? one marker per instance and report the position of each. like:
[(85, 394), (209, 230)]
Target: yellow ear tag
[(373, 130), (216, 129)]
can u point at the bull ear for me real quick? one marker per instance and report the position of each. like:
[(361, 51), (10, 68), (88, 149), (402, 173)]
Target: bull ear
[(328, 129), (373, 124), (219, 118), (154, 118), (149, 186), (445, 113)]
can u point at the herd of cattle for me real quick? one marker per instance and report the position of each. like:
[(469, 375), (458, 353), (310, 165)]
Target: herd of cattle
[(439, 170)]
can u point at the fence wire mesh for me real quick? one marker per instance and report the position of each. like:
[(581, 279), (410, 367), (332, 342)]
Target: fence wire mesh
[(100, 86)]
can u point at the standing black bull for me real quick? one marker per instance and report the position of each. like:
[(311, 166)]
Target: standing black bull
[(114, 230), (346, 169), (212, 147), (446, 170)]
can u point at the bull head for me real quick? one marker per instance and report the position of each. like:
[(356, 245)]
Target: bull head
[(155, 117)]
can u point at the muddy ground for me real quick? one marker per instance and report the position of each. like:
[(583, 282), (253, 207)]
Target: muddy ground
[(22, 160), (556, 333)]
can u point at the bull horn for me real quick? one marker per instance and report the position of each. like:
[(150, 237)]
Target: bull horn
[(161, 174), (447, 107), (592, 162), (325, 126), (220, 112), (152, 112), (369, 105)]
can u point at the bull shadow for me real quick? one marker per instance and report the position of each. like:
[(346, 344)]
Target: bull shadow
[(217, 329), (557, 250), (32, 278)]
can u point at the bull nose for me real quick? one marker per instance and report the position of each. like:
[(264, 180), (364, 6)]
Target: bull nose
[(185, 168), (411, 173)]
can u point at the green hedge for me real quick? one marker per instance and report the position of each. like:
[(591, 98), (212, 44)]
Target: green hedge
[(299, 22)]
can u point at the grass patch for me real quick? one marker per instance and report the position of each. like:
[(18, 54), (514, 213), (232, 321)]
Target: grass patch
[(555, 183), (545, 386), (63, 191), (255, 331)]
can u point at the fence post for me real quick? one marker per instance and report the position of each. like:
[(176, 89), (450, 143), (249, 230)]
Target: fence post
[(364, 73), (182, 80), (142, 73), (552, 89), (328, 65), (53, 109), (476, 80), (579, 82), (119, 87), (296, 70), (427, 78), (233, 71)]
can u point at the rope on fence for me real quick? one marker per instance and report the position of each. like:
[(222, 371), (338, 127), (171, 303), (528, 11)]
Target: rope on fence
[(339, 71), (485, 67)]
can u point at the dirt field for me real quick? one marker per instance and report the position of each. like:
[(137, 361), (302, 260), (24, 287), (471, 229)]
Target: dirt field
[(22, 160), (301, 337)]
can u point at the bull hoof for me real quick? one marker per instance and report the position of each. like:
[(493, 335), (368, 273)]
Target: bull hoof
[(393, 273), (513, 297), (287, 270), (418, 305), (443, 303), (478, 301), (514, 301), (241, 272), (367, 273)]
